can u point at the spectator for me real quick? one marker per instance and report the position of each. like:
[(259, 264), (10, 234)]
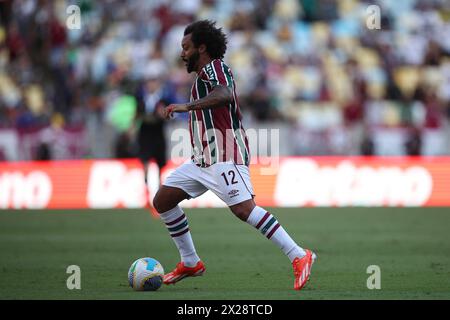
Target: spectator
[(292, 58)]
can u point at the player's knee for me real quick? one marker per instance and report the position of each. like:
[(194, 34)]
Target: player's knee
[(243, 209), (163, 201), (158, 203), (241, 212)]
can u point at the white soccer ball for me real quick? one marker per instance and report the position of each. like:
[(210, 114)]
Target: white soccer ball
[(146, 274)]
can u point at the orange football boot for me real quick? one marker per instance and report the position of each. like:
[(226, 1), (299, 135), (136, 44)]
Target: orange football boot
[(302, 269), (181, 272)]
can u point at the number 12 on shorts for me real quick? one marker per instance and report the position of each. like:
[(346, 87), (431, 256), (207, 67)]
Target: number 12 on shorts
[(231, 174)]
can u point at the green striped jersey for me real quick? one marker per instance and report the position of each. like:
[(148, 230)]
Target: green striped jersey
[(217, 134)]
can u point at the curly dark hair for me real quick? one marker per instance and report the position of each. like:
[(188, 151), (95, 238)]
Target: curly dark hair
[(205, 32)]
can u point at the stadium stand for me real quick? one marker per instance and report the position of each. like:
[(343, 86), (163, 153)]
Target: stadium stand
[(310, 68)]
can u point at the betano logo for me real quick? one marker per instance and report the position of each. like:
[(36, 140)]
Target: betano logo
[(298, 182), (348, 185), (112, 184), (20, 190)]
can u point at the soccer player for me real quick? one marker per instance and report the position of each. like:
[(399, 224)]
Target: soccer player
[(220, 157)]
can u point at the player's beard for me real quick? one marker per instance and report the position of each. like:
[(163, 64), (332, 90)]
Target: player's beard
[(192, 62)]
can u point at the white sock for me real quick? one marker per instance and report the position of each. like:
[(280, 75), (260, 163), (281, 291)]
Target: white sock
[(269, 226), (177, 224)]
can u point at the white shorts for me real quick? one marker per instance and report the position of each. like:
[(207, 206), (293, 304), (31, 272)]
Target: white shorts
[(229, 181)]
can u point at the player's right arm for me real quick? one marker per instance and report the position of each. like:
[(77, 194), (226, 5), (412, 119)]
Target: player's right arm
[(219, 78), (218, 97)]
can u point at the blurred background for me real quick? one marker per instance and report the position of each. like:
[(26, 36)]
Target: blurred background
[(311, 69)]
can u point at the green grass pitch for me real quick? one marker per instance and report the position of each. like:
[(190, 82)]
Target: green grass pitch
[(410, 245)]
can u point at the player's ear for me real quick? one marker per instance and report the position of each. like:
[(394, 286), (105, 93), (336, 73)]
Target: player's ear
[(202, 48)]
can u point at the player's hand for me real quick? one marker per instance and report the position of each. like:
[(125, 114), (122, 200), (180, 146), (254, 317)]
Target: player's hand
[(159, 110), (168, 112)]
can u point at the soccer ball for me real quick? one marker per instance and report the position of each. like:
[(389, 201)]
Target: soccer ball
[(145, 274)]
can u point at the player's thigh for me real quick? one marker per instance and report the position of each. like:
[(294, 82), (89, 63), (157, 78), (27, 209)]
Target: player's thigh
[(230, 182), (187, 178)]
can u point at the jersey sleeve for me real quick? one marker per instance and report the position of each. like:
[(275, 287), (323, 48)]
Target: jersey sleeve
[(217, 73)]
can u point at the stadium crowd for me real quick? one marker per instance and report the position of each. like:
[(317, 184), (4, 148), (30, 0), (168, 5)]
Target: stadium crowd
[(313, 65)]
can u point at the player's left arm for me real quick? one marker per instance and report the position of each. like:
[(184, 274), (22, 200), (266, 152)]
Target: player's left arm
[(220, 96)]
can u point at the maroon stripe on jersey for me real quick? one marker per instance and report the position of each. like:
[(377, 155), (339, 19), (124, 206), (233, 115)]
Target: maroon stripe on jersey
[(221, 77), (273, 231), (191, 134), (176, 220), (222, 123), (237, 154), (262, 220), (199, 118), (190, 130)]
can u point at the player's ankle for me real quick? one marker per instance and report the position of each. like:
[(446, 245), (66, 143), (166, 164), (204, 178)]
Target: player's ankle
[(296, 252), (190, 261)]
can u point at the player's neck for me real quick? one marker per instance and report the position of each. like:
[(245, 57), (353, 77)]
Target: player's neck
[(203, 61)]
